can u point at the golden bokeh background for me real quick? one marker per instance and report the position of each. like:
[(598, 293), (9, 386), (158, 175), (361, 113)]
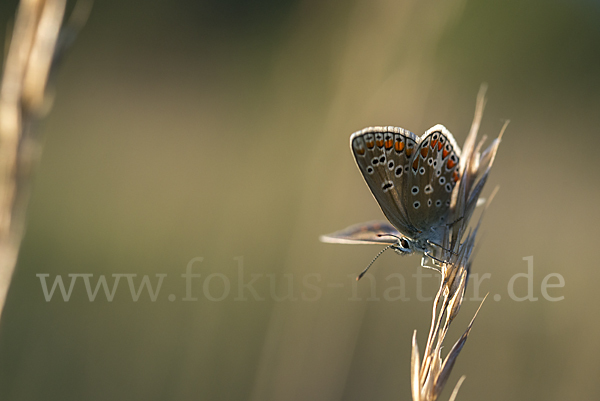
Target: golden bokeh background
[(218, 129)]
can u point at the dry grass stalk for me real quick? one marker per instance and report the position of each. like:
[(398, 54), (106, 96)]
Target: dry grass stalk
[(38, 40), (430, 375)]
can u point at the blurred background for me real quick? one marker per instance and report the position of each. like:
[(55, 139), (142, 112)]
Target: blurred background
[(218, 129)]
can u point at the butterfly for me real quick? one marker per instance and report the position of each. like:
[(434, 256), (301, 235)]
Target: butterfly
[(412, 179)]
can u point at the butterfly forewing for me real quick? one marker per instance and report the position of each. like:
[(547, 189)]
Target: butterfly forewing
[(374, 232), (383, 156), (432, 178)]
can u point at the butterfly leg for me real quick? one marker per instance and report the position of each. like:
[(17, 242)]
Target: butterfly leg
[(455, 221), (424, 263)]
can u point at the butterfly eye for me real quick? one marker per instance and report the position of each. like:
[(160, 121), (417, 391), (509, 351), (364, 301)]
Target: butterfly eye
[(404, 243)]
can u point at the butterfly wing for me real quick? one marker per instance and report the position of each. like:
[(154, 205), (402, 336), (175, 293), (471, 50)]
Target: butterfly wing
[(433, 174), (373, 232), (383, 155)]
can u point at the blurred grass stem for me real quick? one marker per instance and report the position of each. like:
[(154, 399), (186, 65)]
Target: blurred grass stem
[(32, 52), (429, 377)]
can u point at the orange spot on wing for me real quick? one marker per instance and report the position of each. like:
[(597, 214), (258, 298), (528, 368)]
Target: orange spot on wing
[(450, 164), (370, 144), (389, 143), (408, 151), (424, 152), (416, 164), (440, 145), (444, 153), (379, 142), (433, 143), (455, 176), (399, 146), (360, 151)]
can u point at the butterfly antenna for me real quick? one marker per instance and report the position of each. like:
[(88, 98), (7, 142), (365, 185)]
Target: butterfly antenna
[(373, 261)]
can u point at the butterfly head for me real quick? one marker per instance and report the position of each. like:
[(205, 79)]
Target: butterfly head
[(404, 246)]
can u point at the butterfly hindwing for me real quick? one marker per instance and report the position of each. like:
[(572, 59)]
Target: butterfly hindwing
[(432, 178)]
